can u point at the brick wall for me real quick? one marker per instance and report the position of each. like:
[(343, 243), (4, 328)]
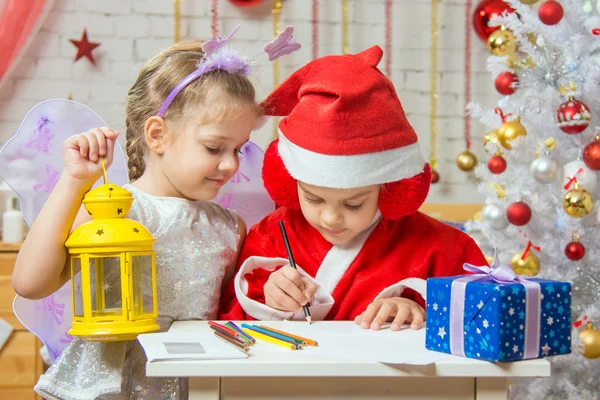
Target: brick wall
[(130, 31)]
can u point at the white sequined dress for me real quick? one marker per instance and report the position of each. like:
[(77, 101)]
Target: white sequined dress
[(196, 246)]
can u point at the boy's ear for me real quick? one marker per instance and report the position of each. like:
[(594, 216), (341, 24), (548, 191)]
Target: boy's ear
[(155, 133)]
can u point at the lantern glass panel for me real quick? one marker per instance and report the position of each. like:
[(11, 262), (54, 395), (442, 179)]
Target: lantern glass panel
[(76, 287), (105, 286), (141, 276)]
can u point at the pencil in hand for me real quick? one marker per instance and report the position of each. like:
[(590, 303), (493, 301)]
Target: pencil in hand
[(293, 265)]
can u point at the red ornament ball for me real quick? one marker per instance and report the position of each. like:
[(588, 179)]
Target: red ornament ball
[(435, 176), (507, 83), (573, 116), (245, 3), (497, 164), (518, 213), (485, 11), (591, 154), (575, 251), (551, 12)]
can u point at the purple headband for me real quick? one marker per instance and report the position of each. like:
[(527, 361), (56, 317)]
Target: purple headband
[(217, 57)]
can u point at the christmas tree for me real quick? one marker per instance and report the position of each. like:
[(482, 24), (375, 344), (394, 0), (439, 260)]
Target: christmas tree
[(542, 196)]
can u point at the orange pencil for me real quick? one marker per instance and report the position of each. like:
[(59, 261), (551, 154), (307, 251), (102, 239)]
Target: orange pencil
[(309, 342), (226, 329)]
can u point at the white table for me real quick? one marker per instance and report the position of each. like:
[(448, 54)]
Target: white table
[(293, 375)]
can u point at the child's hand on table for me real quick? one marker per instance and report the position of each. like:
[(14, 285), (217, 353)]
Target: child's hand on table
[(400, 309), (287, 290)]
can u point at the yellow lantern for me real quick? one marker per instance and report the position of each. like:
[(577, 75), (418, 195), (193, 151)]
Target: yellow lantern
[(113, 270)]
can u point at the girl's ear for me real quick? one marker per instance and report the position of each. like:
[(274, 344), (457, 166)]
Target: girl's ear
[(155, 133)]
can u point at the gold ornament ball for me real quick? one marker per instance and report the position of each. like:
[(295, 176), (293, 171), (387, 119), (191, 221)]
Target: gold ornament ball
[(510, 131), (529, 266), (529, 2), (490, 137), (578, 202), (466, 161), (502, 42), (590, 339)]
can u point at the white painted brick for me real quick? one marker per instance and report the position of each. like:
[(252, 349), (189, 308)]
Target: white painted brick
[(64, 5), (452, 82), (72, 24), (119, 49), (15, 110), (106, 6), (483, 83), (132, 26), (8, 129), (45, 44), (84, 71), (148, 47), (249, 30), (153, 7), (196, 8), (124, 72), (163, 26), (112, 114), (417, 81), (450, 105), (109, 93), (199, 28), (415, 102), (43, 89), (25, 67), (410, 59), (7, 90), (54, 68), (298, 10)]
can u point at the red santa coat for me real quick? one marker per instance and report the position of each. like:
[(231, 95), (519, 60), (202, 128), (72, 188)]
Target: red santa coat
[(378, 263)]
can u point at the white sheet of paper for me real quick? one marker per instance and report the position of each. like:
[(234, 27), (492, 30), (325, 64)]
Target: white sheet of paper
[(187, 346), (356, 344)]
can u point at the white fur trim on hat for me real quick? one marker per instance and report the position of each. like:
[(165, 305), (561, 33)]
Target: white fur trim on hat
[(350, 171)]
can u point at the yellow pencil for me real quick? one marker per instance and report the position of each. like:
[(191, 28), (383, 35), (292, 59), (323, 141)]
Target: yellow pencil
[(270, 339)]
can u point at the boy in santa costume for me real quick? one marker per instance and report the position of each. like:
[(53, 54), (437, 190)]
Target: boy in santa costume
[(349, 178)]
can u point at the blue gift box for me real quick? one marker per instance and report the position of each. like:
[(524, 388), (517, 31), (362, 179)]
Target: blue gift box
[(478, 317)]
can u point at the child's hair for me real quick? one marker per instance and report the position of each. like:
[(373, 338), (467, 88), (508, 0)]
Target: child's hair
[(234, 93)]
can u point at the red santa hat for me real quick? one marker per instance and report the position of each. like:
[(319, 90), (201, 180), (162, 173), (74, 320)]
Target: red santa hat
[(344, 127)]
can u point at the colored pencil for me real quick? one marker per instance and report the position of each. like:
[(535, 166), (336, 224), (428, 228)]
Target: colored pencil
[(226, 329), (230, 340), (233, 326), (272, 334), (243, 337), (306, 341), (293, 264), (272, 340), (217, 329)]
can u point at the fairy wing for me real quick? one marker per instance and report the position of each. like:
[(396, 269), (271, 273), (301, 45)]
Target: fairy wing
[(245, 192), (49, 319), (31, 163)]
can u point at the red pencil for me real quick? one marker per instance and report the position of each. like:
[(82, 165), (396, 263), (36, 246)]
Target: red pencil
[(226, 329)]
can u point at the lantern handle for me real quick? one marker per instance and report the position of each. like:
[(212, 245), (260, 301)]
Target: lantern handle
[(104, 170)]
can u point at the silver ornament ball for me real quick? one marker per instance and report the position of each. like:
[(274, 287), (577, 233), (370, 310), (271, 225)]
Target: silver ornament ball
[(545, 169), (495, 216)]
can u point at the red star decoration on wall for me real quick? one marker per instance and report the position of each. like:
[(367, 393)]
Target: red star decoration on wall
[(84, 47)]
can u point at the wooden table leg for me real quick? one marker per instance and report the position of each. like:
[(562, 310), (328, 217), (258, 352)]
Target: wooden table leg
[(204, 389), (491, 389)]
